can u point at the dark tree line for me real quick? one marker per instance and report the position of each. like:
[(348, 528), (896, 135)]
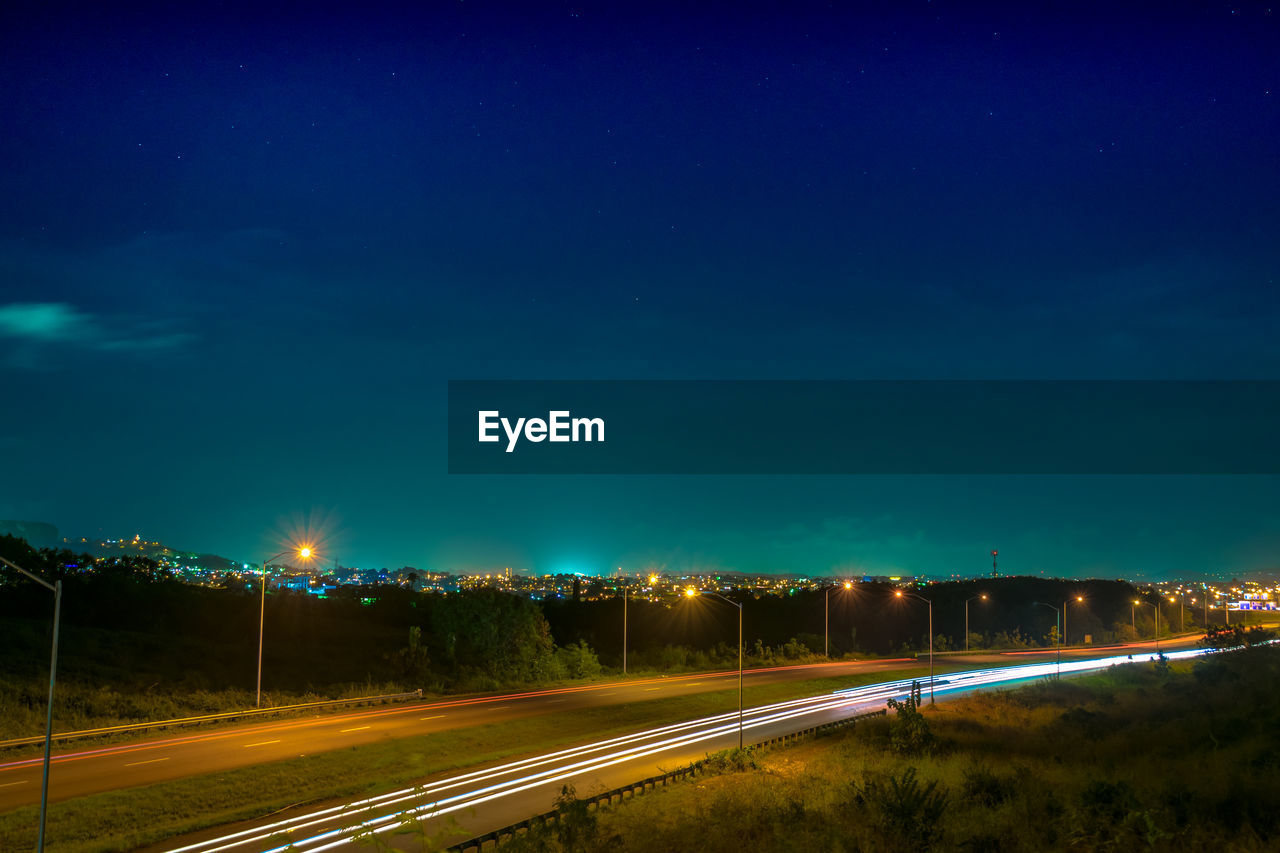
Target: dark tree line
[(126, 620)]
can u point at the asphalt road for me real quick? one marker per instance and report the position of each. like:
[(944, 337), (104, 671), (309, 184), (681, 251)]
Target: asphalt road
[(87, 770), (485, 798), (76, 772)]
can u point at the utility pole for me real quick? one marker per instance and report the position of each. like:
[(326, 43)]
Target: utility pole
[(994, 554)]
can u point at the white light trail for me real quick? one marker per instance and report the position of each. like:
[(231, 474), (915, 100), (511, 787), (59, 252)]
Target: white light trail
[(528, 773)]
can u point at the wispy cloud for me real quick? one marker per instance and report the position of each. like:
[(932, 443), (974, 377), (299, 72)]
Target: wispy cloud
[(59, 324)]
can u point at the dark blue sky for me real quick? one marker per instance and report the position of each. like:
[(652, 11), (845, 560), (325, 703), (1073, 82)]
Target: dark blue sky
[(241, 255)]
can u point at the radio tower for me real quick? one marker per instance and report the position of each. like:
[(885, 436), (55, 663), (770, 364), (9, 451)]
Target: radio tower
[(993, 563)]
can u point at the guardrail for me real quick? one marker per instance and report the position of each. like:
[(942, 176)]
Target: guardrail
[(506, 833), (207, 718)]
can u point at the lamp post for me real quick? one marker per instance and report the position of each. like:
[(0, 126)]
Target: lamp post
[(1059, 638), (983, 596), (899, 593), (56, 589), (1182, 612), (1156, 608), (1079, 600), (692, 593), (826, 619), (305, 553)]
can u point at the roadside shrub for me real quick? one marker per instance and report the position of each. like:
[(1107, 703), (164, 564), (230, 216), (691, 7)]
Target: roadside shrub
[(983, 786), (909, 732), (907, 814), (731, 760), (578, 661)]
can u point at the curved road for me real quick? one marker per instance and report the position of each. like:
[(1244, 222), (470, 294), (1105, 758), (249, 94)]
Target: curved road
[(485, 798), (78, 772)]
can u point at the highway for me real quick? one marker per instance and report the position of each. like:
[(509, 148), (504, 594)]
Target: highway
[(87, 770), (487, 798)]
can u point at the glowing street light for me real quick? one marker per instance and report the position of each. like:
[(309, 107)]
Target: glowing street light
[(1059, 637), (899, 594), (983, 596), (692, 592), (1182, 616), (826, 619), (303, 552), (1156, 608)]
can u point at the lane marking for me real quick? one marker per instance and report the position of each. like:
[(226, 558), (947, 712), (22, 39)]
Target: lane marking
[(556, 701), (436, 717), (152, 761), (20, 782), (260, 743), (608, 694), (647, 689), (500, 708), (356, 729)]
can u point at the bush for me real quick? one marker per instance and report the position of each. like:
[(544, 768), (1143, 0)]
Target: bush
[(985, 787), (909, 731), (907, 813), (577, 660)]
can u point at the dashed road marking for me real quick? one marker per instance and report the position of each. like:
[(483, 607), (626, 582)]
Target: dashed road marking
[(152, 761), (436, 717), (260, 743), (356, 729)]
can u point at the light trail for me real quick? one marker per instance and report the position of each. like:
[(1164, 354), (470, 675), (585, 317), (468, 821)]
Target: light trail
[(313, 722), (486, 785)]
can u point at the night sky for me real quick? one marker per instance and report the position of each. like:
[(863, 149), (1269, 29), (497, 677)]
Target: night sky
[(241, 255)]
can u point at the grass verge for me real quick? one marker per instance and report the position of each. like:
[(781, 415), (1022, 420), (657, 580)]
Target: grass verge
[(1142, 757)]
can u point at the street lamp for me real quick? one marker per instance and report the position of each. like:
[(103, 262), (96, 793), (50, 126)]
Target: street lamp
[(693, 593), (56, 589), (1182, 614), (1156, 608), (305, 553), (826, 619), (983, 596), (624, 622), (1059, 637), (899, 594), (1079, 599)]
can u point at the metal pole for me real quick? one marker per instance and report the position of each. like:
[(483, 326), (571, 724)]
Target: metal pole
[(1059, 663), (624, 628), (48, 720), (739, 676), (966, 626), (930, 652), (1064, 621), (826, 624), (262, 615), (56, 589)]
